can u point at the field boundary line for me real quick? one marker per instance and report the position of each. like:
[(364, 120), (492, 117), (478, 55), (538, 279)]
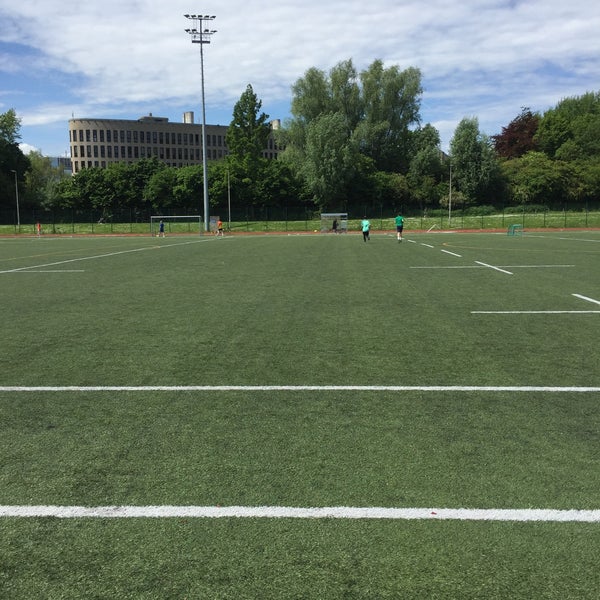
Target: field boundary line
[(298, 388), (107, 255), (290, 512), (535, 312), (586, 298)]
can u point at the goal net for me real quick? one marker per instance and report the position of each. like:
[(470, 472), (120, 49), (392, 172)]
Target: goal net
[(334, 222), (175, 224)]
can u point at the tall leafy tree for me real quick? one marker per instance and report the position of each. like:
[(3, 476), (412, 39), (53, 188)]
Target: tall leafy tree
[(12, 159), (570, 129), (391, 101), (329, 161), (474, 164), (41, 180), (518, 137), (246, 139)]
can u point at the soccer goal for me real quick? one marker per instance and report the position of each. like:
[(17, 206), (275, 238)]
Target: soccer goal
[(334, 222), (176, 224)]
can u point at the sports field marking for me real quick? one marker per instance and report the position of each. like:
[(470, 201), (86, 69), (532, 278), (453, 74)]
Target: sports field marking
[(485, 267), (586, 298), (107, 255), (52, 271), (292, 512), (427, 245), (297, 388), (452, 253), (493, 267), (535, 312)]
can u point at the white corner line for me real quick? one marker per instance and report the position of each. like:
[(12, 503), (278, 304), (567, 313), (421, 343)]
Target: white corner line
[(535, 312), (298, 388), (495, 268), (586, 298), (291, 512)]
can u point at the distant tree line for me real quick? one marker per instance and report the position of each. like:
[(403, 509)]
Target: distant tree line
[(355, 142)]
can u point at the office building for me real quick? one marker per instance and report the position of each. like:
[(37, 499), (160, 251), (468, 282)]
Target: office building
[(101, 142)]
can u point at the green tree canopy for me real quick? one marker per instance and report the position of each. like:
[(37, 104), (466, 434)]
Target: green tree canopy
[(570, 130), (474, 165), (247, 138)]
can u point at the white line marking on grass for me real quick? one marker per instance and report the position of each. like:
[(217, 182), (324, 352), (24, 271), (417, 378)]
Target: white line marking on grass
[(291, 512), (298, 388), (54, 271), (72, 260), (452, 253), (427, 245), (586, 298), (481, 266), (535, 312), (492, 267)]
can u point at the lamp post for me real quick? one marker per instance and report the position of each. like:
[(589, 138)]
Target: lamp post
[(201, 35), (17, 197)]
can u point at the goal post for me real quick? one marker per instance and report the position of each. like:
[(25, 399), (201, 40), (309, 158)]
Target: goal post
[(176, 224), (334, 222)]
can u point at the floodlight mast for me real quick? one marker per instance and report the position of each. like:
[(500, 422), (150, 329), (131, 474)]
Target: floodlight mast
[(201, 35)]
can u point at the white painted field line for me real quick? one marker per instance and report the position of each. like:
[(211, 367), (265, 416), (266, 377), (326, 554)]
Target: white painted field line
[(482, 265), (492, 267), (298, 388), (535, 312), (290, 512), (49, 271), (586, 298), (452, 253), (427, 245), (109, 254)]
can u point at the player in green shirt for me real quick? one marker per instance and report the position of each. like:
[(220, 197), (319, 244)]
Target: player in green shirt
[(399, 227), (365, 225)]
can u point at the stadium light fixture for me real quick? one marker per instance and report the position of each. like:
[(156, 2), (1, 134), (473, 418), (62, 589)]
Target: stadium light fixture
[(201, 35)]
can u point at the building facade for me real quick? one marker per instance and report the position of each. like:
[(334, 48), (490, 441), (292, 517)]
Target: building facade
[(101, 142)]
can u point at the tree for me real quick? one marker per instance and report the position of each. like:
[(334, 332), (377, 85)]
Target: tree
[(246, 139), (391, 104), (537, 179), (329, 159), (570, 129), (474, 165), (374, 112), (159, 189), (518, 137), (426, 171), (10, 127), (13, 163), (41, 180)]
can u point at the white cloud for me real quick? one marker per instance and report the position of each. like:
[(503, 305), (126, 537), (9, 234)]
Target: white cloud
[(483, 58)]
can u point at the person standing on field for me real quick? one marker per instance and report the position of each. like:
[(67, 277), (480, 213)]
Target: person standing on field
[(399, 226), (366, 226), (161, 229)]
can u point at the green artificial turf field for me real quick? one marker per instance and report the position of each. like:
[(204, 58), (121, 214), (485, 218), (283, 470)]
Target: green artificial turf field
[(449, 371)]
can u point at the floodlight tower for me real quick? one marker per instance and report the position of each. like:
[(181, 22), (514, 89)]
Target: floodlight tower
[(201, 35)]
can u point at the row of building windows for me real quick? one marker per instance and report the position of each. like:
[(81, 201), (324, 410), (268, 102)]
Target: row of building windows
[(143, 137), (101, 151), (80, 165)]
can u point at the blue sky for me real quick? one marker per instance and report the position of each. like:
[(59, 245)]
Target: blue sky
[(127, 58)]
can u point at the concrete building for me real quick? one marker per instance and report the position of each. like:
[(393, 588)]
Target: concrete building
[(100, 142)]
